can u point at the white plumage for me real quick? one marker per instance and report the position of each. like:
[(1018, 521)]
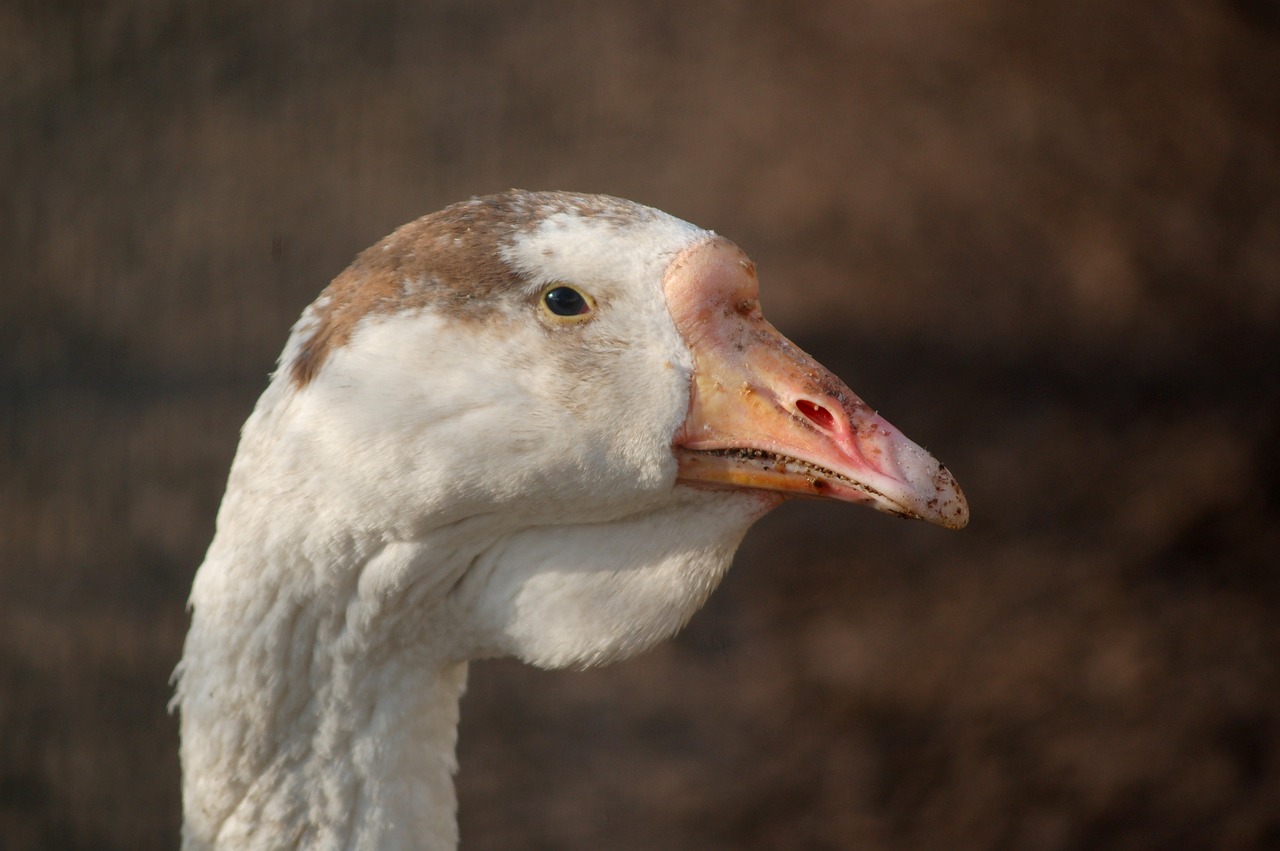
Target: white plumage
[(532, 424)]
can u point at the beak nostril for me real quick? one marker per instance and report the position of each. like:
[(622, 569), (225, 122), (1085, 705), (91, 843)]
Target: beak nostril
[(819, 415)]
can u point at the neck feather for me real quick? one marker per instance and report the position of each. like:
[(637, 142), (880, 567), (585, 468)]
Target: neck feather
[(318, 714), (322, 673)]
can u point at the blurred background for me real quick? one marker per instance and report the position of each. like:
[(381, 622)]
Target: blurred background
[(1042, 238)]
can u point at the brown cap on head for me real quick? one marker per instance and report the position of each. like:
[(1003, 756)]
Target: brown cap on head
[(450, 261)]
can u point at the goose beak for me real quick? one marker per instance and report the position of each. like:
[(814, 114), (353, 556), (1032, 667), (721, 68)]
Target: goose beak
[(764, 415)]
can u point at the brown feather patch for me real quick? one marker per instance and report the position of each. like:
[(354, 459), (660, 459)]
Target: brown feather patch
[(450, 261)]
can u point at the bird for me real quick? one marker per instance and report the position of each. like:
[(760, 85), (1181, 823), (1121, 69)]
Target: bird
[(532, 425)]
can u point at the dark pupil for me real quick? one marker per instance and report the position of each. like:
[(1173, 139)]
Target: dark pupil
[(566, 301)]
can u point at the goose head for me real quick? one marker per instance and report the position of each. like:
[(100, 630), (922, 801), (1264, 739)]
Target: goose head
[(534, 424), (588, 381)]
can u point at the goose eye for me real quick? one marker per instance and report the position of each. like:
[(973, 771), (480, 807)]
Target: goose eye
[(566, 303)]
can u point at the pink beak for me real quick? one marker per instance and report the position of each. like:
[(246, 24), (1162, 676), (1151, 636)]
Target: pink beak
[(766, 416)]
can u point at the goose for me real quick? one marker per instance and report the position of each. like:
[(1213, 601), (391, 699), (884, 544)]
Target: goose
[(532, 424)]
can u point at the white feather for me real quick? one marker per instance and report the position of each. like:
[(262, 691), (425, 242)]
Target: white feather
[(441, 490)]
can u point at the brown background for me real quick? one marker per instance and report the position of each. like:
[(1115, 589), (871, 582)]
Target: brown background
[(1043, 238)]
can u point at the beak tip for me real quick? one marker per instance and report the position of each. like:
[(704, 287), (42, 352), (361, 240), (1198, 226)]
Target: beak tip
[(947, 507), (922, 485)]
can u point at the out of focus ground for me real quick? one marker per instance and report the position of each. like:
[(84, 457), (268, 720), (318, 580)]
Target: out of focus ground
[(1044, 239)]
